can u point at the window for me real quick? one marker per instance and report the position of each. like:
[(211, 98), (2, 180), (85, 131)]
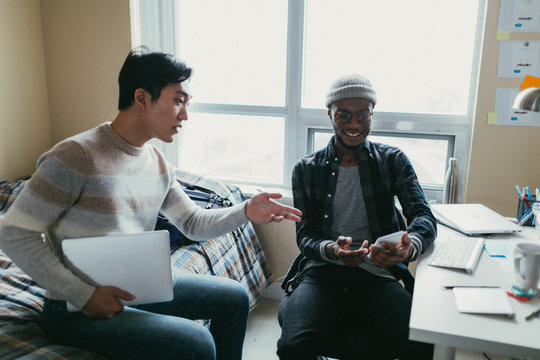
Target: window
[(237, 47), (234, 147), (262, 69), (429, 166), (411, 60)]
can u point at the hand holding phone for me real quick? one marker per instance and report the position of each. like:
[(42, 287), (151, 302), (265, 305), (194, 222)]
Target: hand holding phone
[(391, 239)]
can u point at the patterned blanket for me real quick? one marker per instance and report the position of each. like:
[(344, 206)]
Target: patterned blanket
[(237, 255)]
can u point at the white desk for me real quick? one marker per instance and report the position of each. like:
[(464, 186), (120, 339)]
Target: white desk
[(435, 318)]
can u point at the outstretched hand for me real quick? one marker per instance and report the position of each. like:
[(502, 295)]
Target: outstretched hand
[(262, 209), (340, 250), (390, 255)]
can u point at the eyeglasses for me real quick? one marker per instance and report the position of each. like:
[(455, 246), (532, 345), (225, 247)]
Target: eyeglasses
[(344, 116)]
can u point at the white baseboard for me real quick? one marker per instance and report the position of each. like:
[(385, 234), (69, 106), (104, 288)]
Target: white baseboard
[(274, 292)]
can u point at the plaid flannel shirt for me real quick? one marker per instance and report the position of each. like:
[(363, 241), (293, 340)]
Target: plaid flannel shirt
[(385, 172)]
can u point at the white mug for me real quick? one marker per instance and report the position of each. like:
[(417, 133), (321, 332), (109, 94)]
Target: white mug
[(527, 266)]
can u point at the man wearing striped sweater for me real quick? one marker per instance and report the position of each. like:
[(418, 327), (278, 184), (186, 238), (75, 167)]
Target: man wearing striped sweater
[(109, 180)]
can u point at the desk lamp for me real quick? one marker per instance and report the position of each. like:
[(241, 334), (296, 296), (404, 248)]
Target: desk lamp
[(528, 99)]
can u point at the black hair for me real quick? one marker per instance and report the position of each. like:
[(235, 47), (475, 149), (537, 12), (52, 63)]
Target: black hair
[(151, 71)]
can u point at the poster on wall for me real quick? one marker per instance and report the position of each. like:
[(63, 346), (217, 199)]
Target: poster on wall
[(504, 113), (518, 58), (519, 16)]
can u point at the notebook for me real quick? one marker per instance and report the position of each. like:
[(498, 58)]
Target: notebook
[(457, 252), (473, 219), (478, 300), (138, 263)]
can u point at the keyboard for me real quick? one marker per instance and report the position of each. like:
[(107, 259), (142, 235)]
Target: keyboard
[(457, 252)]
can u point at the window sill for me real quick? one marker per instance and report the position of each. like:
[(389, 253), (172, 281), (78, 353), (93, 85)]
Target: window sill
[(250, 190), (432, 195)]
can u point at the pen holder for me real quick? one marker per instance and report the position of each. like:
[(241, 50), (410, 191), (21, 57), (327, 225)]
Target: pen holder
[(523, 206)]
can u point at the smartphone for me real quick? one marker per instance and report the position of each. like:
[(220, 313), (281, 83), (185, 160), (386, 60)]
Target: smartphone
[(392, 239)]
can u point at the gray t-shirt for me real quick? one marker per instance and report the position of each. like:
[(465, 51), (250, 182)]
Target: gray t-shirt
[(350, 218)]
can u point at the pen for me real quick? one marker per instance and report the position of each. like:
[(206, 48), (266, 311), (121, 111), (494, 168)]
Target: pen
[(468, 286), (525, 217), (529, 195), (519, 191), (524, 199), (536, 201), (532, 315)]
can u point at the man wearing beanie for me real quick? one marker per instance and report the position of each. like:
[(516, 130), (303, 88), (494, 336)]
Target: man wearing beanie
[(343, 296)]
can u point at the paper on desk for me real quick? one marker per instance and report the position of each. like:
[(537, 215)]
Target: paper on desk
[(483, 301), (497, 249), (500, 253)]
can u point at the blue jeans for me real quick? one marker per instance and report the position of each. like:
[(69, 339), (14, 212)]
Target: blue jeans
[(347, 313), (162, 330)]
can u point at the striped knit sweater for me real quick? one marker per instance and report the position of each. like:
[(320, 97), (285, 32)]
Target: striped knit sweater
[(93, 184)]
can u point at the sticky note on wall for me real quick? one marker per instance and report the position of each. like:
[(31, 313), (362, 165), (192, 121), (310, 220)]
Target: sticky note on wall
[(530, 81), (503, 35), (492, 118)]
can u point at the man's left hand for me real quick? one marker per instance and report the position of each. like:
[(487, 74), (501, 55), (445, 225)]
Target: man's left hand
[(390, 255), (262, 209)]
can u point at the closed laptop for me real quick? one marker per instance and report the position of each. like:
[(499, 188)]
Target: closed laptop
[(473, 219), (138, 263)]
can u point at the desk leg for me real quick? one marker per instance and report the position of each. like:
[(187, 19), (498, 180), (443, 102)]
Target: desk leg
[(442, 352)]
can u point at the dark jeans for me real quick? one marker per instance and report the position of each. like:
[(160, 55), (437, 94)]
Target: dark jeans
[(163, 330), (347, 313)]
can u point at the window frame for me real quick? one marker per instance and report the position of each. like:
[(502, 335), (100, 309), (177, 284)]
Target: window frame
[(300, 121), (432, 192)]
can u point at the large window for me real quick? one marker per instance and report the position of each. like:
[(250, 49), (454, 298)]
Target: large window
[(429, 165), (262, 69)]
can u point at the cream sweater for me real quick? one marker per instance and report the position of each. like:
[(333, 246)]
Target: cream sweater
[(93, 184)]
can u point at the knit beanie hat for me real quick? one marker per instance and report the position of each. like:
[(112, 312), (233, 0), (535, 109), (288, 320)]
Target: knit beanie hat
[(351, 86)]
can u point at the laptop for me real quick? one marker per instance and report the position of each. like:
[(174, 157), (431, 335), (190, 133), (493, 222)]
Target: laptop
[(473, 219), (139, 263)]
